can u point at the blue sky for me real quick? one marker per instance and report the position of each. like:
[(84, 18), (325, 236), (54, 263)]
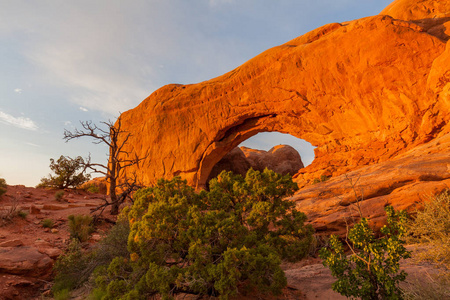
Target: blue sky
[(66, 61)]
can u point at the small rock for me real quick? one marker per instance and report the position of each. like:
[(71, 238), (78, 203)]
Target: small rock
[(54, 207), (47, 229), (96, 237), (12, 243), (22, 282), (53, 253), (34, 210), (42, 243), (54, 230)]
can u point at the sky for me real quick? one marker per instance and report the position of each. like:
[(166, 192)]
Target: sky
[(62, 62)]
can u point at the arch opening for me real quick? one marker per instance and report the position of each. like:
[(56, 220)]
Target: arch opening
[(237, 132), (267, 140), (280, 152)]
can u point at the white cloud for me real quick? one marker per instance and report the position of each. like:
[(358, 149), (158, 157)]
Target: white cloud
[(21, 122), (19, 91), (31, 144), (83, 109)]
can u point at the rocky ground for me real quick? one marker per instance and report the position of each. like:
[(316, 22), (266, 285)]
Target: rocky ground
[(28, 250)]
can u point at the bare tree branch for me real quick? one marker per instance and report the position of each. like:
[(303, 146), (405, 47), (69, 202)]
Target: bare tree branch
[(119, 160)]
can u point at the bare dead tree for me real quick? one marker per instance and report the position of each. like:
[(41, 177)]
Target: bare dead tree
[(119, 159)]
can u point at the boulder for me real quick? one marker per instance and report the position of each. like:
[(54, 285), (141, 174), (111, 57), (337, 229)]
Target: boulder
[(25, 261), (282, 159), (234, 161), (99, 184)]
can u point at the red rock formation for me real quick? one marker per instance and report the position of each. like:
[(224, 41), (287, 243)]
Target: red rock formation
[(234, 161), (361, 91), (403, 182), (282, 159)]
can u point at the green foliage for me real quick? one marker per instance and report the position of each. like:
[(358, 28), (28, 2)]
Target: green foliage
[(92, 188), (209, 243), (372, 272), (67, 173), (22, 214), (3, 186), (59, 195), (62, 295), (80, 227), (47, 223), (431, 226), (75, 266), (70, 268), (322, 178)]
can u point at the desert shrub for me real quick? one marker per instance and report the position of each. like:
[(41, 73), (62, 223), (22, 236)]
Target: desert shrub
[(62, 295), (209, 243), (3, 186), (71, 268), (8, 211), (92, 188), (372, 271), (322, 178), (69, 173), (59, 195), (22, 214), (47, 223), (431, 226), (75, 266), (80, 227)]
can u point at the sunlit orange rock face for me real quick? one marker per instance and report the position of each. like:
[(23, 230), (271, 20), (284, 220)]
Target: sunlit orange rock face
[(418, 9), (362, 92)]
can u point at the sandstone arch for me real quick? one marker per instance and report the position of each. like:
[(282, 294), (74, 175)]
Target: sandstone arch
[(360, 91)]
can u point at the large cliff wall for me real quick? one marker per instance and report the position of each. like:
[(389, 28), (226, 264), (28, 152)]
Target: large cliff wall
[(361, 91)]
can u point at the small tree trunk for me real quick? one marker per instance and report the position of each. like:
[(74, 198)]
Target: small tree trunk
[(113, 177), (114, 199)]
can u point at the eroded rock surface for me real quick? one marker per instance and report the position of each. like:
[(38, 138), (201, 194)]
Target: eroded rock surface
[(403, 182), (361, 91), (418, 10)]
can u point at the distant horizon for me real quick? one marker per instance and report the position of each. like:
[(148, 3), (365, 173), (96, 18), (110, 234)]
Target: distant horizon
[(70, 61)]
